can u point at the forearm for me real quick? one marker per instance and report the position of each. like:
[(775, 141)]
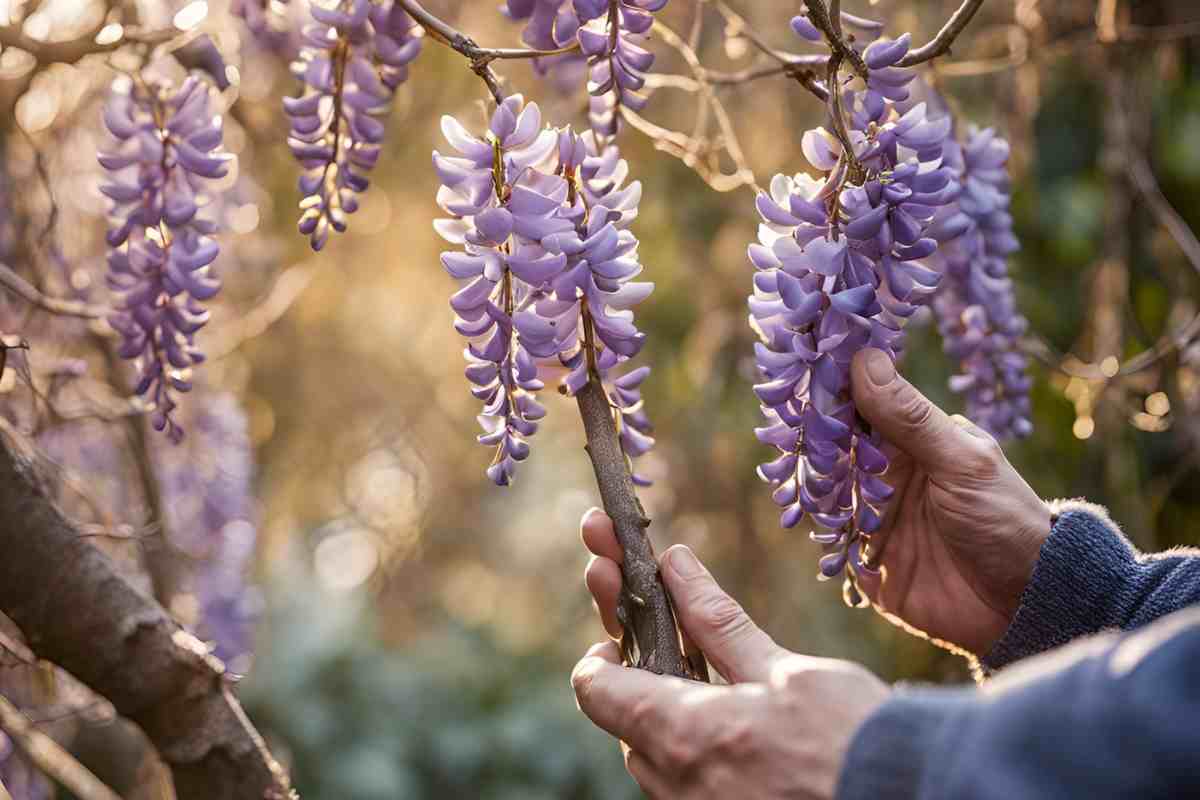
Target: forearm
[(1089, 578), (1106, 717)]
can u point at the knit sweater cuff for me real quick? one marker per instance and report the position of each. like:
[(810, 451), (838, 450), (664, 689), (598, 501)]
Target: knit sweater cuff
[(1084, 567), (894, 753)]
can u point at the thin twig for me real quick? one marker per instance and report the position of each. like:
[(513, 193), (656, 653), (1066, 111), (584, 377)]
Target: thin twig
[(735, 25), (70, 51), (480, 57), (830, 25), (940, 44), (1142, 177), (287, 288), (50, 758), (728, 133), (55, 305)]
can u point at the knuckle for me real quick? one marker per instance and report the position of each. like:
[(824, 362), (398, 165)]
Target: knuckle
[(643, 717), (735, 741), (915, 410), (983, 457), (722, 614), (680, 754), (583, 680)]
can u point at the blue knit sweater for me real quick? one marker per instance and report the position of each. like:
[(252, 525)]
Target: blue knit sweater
[(1113, 715)]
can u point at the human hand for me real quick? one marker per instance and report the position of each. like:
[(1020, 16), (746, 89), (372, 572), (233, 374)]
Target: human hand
[(781, 730), (963, 529)]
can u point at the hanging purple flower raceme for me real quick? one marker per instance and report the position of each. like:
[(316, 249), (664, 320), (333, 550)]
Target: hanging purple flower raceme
[(546, 268), (609, 35), (504, 200), (840, 267), (553, 25), (591, 307), (161, 248), (267, 22), (976, 306), (210, 515), (355, 54), (617, 62)]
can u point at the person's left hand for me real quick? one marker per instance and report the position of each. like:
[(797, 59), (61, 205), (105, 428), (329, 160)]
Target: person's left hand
[(781, 730)]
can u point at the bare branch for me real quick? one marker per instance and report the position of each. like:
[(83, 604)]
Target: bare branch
[(1142, 177), (77, 610), (49, 757), (480, 57), (940, 44), (283, 293), (735, 25), (29, 293), (70, 51)]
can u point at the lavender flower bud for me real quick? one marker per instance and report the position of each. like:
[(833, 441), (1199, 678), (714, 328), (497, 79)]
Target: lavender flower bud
[(351, 63), (160, 248)]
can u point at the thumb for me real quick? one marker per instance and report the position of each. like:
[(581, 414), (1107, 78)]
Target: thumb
[(905, 417), (738, 648)]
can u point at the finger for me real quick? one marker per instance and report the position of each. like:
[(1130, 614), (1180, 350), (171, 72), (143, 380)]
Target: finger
[(969, 427), (738, 648), (634, 705), (603, 580), (653, 783), (903, 415), (599, 536)]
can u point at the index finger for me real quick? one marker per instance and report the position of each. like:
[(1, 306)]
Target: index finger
[(596, 529)]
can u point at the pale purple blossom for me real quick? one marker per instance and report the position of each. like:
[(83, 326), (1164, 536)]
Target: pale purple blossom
[(841, 264), (161, 247), (354, 56), (546, 268)]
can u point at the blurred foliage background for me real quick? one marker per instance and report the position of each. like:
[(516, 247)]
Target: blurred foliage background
[(416, 624)]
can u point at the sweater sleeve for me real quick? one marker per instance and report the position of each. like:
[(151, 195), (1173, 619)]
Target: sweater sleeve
[(1105, 717), (1089, 578)]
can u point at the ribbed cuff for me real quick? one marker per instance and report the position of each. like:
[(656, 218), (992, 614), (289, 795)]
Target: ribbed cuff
[(894, 753), (1083, 571)]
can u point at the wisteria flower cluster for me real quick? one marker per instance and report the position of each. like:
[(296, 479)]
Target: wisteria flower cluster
[(208, 499), (841, 264), (546, 266), (351, 62), (609, 33), (266, 21), (161, 249), (976, 306)]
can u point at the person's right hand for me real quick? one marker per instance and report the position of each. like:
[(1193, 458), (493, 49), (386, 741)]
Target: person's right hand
[(962, 530)]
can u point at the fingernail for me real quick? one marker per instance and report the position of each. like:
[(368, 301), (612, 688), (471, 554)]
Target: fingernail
[(684, 563), (591, 512), (880, 369)]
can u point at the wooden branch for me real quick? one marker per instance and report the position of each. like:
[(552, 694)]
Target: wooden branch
[(50, 758), (644, 607), (28, 292), (70, 51), (76, 609), (940, 44)]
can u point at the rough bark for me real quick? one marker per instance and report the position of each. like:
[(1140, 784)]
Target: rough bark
[(644, 606), (76, 610)]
